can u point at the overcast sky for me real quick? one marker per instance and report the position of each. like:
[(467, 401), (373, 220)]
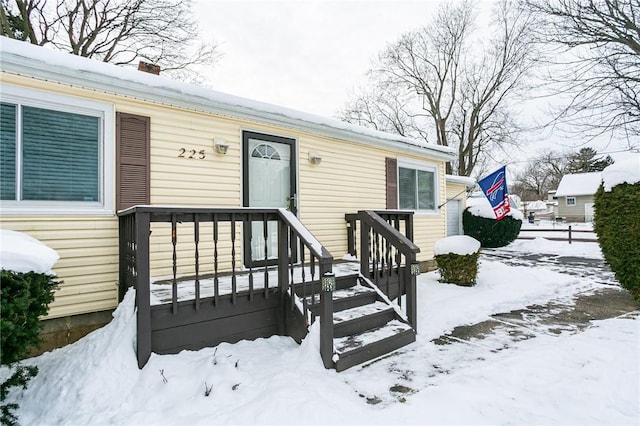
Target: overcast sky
[(303, 54), (309, 55)]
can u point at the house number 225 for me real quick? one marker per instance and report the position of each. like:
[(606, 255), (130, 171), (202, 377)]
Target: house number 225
[(192, 153)]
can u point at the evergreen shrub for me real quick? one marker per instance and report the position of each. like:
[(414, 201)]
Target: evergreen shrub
[(617, 224), (458, 269), (491, 232), (24, 298)]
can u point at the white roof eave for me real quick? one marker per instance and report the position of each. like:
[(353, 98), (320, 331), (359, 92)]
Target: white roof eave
[(467, 181), (235, 107)]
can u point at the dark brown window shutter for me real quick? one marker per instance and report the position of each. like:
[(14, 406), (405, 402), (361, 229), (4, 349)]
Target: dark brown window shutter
[(392, 183), (132, 153)]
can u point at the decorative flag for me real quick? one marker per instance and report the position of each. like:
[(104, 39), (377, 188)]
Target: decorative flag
[(494, 187)]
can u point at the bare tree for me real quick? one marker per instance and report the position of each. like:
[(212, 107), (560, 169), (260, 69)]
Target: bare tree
[(597, 61), (162, 32), (541, 175), (445, 79), (26, 20), (532, 183)]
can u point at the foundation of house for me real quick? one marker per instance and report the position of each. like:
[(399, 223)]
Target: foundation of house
[(428, 265), (58, 332)]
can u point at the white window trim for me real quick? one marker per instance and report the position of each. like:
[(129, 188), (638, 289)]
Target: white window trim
[(427, 167), (106, 113), (575, 203)]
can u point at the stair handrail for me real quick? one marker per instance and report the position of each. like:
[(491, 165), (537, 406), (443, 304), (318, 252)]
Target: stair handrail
[(393, 217), (290, 223), (369, 219)]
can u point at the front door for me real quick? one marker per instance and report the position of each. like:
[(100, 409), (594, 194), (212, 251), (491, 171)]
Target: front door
[(269, 181)]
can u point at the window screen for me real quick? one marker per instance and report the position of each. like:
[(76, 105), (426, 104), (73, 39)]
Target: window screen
[(58, 152), (416, 189)]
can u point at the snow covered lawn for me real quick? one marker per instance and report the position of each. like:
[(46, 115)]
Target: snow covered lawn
[(589, 376)]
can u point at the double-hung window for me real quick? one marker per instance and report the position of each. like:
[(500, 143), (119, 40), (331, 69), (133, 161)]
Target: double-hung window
[(52, 153), (417, 186)]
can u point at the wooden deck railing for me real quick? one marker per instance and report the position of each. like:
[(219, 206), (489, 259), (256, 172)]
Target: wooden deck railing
[(388, 258), (400, 220), (205, 246)]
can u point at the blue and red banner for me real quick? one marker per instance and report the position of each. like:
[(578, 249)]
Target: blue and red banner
[(494, 187)]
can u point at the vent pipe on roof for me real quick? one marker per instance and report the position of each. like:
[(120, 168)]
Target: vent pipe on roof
[(150, 68)]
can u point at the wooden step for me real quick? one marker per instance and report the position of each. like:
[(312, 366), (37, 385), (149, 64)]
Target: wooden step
[(347, 298), (358, 348), (361, 318)]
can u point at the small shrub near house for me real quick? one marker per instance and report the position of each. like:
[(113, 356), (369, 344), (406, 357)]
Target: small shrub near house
[(491, 232), (617, 224), (457, 260), (24, 298)]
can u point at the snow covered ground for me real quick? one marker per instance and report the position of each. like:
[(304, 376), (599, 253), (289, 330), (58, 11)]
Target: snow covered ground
[(576, 376)]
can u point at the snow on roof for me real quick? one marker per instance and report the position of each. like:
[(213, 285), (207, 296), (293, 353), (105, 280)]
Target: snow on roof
[(579, 184), (536, 205), (25, 59), (627, 170), (462, 180)]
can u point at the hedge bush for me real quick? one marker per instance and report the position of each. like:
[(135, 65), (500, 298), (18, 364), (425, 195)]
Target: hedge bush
[(617, 224), (458, 269), (24, 298), (491, 232)]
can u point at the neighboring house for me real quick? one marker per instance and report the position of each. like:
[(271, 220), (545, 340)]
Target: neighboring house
[(541, 209), (457, 189), (575, 196), (82, 140)]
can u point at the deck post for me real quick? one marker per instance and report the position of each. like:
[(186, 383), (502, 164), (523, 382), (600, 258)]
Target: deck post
[(142, 228), (328, 285), (412, 271), (283, 278), (364, 246), (408, 226), (351, 244), (124, 240)]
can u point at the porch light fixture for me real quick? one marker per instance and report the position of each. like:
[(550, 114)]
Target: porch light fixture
[(328, 282), (220, 146), (314, 158), (415, 269)]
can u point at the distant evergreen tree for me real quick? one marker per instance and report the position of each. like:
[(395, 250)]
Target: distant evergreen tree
[(586, 160)]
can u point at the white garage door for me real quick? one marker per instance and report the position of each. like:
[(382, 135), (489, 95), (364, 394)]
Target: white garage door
[(454, 217)]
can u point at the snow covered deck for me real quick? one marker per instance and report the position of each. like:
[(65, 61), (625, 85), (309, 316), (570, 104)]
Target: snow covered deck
[(162, 289)]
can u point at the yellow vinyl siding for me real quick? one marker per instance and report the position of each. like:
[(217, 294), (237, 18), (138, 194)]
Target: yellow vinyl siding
[(88, 265), (455, 192), (351, 177)]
